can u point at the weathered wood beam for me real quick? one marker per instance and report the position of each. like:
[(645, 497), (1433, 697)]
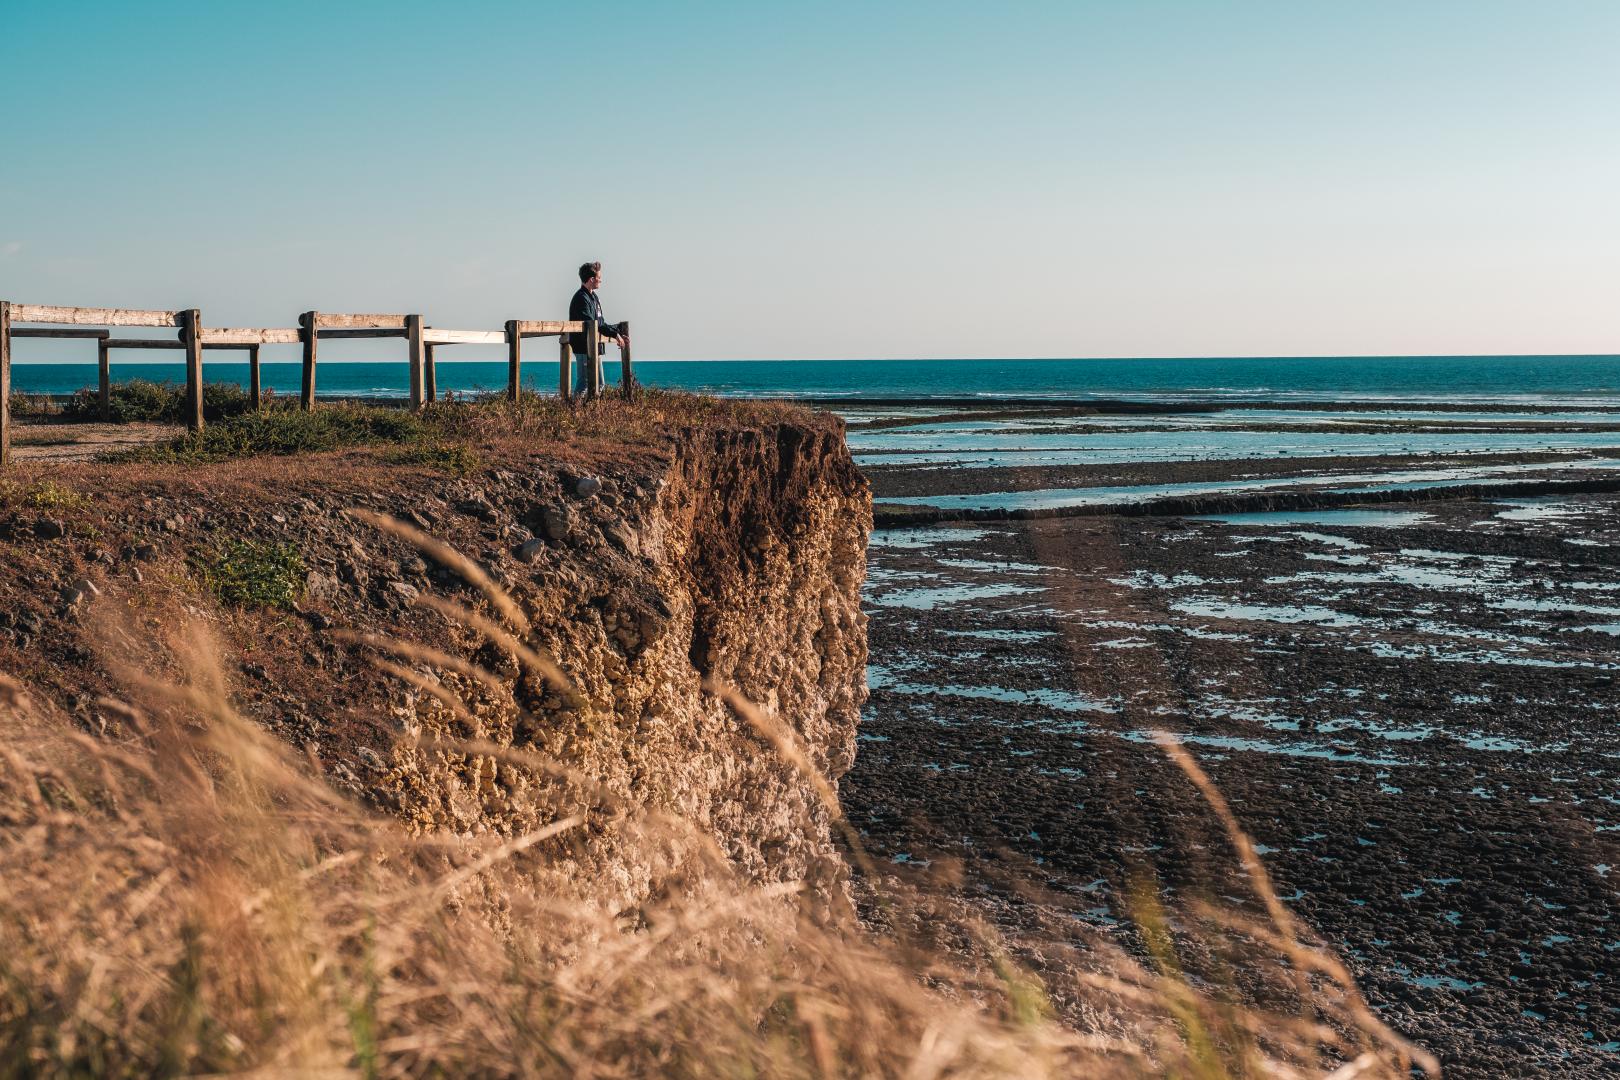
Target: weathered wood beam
[(254, 396), (191, 334), (418, 349), (435, 336), (144, 343), (334, 335), (90, 316), (371, 322), (535, 328), (5, 383), (514, 360), (104, 379), (430, 374), (565, 375), (310, 335), (165, 343), (627, 373), (220, 335), (40, 333)]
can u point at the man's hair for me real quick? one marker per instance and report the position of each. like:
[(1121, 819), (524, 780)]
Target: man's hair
[(588, 271)]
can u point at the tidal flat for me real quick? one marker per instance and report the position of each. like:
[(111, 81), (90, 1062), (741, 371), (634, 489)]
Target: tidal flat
[(1411, 710)]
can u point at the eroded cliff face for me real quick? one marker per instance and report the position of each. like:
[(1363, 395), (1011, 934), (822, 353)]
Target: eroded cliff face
[(647, 563), (735, 559)]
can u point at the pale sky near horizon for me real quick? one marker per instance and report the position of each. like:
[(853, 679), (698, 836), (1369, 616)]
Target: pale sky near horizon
[(1153, 178)]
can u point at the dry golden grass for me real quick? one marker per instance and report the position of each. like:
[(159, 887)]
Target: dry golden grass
[(191, 897)]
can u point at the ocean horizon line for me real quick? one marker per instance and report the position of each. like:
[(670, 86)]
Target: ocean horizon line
[(21, 362), (1530, 379)]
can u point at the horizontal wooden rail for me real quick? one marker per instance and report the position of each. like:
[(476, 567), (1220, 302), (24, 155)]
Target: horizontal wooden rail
[(536, 328), (435, 336), (334, 335), (102, 334), (144, 343), (220, 335), (193, 338), (160, 343), (373, 322), (91, 316)]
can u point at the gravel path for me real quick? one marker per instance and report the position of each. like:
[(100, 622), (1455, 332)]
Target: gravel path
[(43, 441)]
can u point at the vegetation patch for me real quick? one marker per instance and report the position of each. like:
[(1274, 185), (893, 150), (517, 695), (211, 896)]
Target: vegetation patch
[(42, 495), (29, 406), (458, 459), (252, 574), (447, 435), (287, 431), (144, 401), (654, 413)]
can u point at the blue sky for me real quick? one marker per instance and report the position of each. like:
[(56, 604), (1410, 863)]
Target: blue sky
[(836, 180)]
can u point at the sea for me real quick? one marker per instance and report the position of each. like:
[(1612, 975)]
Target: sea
[(1579, 381)]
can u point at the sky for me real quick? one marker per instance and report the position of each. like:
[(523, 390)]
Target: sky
[(835, 180)]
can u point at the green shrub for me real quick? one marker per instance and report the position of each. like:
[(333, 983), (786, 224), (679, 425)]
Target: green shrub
[(141, 400), (251, 574), (26, 406), (137, 400), (288, 431)]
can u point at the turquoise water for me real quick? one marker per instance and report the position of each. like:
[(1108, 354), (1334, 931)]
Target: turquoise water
[(1105, 495), (1569, 380), (906, 446)]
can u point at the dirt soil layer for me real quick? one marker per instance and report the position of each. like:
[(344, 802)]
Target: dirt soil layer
[(655, 551), (41, 442), (1412, 712)]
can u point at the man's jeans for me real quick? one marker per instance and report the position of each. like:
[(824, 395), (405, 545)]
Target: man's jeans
[(582, 375)]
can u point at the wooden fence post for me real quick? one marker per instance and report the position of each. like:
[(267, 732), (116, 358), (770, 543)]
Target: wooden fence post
[(514, 360), (593, 360), (413, 335), (191, 336), (254, 392), (312, 336), (627, 374), (104, 377), (5, 383), (430, 374), (565, 376)]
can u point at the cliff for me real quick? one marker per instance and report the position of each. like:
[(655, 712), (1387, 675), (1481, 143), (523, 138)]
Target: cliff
[(545, 867), (649, 560)]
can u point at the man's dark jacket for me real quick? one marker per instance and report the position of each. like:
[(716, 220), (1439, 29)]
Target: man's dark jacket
[(586, 306)]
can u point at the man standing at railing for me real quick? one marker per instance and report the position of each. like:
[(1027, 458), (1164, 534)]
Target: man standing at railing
[(587, 307)]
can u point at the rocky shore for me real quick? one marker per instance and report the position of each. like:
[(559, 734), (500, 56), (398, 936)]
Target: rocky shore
[(1410, 707)]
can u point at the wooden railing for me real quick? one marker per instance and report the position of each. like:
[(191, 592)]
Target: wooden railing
[(422, 342)]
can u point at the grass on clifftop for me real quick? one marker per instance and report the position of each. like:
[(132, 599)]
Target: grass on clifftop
[(287, 430), (142, 401), (246, 573), (135, 401), (443, 435), (46, 495)]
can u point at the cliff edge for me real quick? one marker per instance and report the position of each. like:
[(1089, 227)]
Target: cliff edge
[(651, 553)]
